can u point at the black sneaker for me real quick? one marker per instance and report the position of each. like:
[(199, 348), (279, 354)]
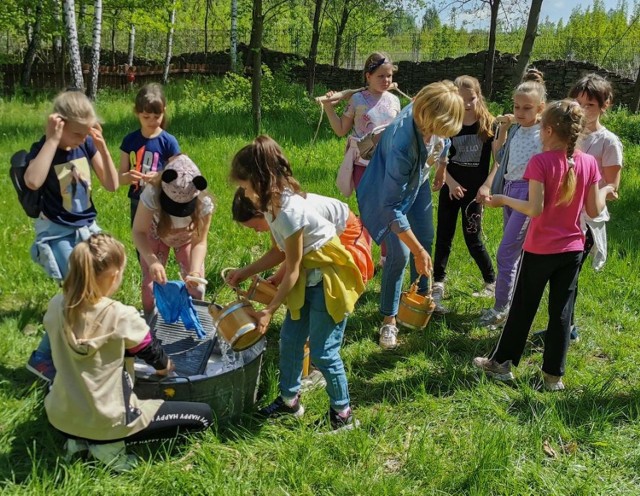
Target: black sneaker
[(279, 408), (344, 422), (537, 337)]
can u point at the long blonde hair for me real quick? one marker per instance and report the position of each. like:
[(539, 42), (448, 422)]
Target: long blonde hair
[(439, 109), (566, 119), (87, 262), (485, 119)]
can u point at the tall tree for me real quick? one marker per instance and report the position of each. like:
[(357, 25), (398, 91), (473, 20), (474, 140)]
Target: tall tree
[(131, 44), (528, 41), (313, 49), (207, 10), (94, 70), (34, 45), (233, 51), (75, 65), (489, 60), (255, 49), (167, 60)]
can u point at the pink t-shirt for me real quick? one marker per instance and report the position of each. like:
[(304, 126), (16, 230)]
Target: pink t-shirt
[(557, 229)]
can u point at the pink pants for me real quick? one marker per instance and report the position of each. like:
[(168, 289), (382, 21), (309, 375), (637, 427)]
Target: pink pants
[(161, 250)]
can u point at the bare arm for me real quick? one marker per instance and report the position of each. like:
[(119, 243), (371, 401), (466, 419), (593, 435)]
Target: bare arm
[(340, 125), (199, 248), (611, 175), (293, 249), (38, 168), (420, 254), (141, 226), (124, 173), (102, 162), (596, 199), (267, 261)]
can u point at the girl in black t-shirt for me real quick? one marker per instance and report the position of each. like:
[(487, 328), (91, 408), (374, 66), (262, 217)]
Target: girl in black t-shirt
[(468, 167)]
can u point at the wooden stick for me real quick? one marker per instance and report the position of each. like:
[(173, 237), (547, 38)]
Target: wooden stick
[(340, 95)]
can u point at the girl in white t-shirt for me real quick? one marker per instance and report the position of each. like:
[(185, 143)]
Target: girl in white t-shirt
[(320, 285), (513, 149), (174, 212)]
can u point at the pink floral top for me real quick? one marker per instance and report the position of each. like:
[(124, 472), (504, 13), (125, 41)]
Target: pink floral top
[(370, 111)]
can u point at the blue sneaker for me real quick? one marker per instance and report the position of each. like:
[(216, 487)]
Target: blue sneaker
[(41, 365)]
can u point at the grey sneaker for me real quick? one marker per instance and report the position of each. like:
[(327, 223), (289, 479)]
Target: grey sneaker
[(388, 337), (552, 382), (114, 456), (493, 318), (344, 421), (488, 291), (315, 380), (437, 293), (499, 371)]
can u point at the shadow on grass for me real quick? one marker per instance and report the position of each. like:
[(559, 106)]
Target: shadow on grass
[(16, 382)]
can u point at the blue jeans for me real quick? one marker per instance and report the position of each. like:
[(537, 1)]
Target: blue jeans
[(420, 217), (325, 339)]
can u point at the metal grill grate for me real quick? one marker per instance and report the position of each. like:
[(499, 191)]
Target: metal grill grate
[(189, 354)]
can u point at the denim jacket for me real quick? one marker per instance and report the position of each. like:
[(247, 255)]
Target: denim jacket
[(393, 177)]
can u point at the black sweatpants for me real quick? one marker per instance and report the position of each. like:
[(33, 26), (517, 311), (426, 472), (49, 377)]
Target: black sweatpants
[(471, 229), (171, 419), (588, 245), (561, 272)]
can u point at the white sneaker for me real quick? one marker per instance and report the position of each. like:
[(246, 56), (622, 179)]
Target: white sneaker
[(488, 291), (388, 337), (437, 293), (493, 318), (114, 456)]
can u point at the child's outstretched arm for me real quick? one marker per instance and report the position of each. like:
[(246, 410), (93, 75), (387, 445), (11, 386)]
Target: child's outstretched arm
[(267, 261), (141, 226), (531, 208), (199, 252), (38, 168), (597, 198), (293, 249), (102, 162)]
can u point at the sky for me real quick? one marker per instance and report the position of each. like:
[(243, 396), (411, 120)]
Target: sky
[(552, 9)]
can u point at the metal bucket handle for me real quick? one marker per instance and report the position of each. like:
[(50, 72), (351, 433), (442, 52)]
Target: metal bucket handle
[(241, 294), (414, 285)]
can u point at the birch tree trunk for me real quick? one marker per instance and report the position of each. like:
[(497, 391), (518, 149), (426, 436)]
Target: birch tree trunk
[(491, 50), (233, 50), (527, 43), (72, 43), (57, 39), (132, 44), (95, 50), (313, 49), (167, 60), (82, 23), (255, 49), (34, 44)]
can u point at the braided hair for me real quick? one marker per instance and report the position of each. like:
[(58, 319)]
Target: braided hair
[(262, 163), (566, 119), (87, 262)]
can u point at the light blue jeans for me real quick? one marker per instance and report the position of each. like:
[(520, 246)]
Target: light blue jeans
[(51, 250), (420, 217), (325, 340)]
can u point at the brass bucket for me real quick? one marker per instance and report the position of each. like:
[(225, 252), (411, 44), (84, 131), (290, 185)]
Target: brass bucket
[(414, 310)]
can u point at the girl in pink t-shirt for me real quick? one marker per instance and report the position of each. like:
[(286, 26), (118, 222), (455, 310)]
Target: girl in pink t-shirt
[(562, 181)]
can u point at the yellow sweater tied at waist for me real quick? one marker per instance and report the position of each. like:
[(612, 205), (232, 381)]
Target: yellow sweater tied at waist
[(341, 278)]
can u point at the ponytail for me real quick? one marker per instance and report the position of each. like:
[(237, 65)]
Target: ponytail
[(87, 262)]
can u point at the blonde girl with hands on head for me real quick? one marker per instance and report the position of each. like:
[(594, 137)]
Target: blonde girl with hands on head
[(562, 181), (174, 213), (145, 152), (321, 282), (467, 169), (59, 166), (94, 340), (518, 139)]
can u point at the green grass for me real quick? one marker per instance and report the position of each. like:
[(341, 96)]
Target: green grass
[(430, 424)]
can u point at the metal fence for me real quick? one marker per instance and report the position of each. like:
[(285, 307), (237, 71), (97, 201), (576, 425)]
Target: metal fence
[(620, 56)]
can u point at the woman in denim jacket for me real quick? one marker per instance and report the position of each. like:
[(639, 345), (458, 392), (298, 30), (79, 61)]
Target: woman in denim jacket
[(394, 195)]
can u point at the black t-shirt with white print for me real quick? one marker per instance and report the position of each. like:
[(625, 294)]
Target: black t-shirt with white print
[(469, 157)]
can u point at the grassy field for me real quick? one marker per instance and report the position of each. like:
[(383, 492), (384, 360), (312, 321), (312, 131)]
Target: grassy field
[(430, 423)]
